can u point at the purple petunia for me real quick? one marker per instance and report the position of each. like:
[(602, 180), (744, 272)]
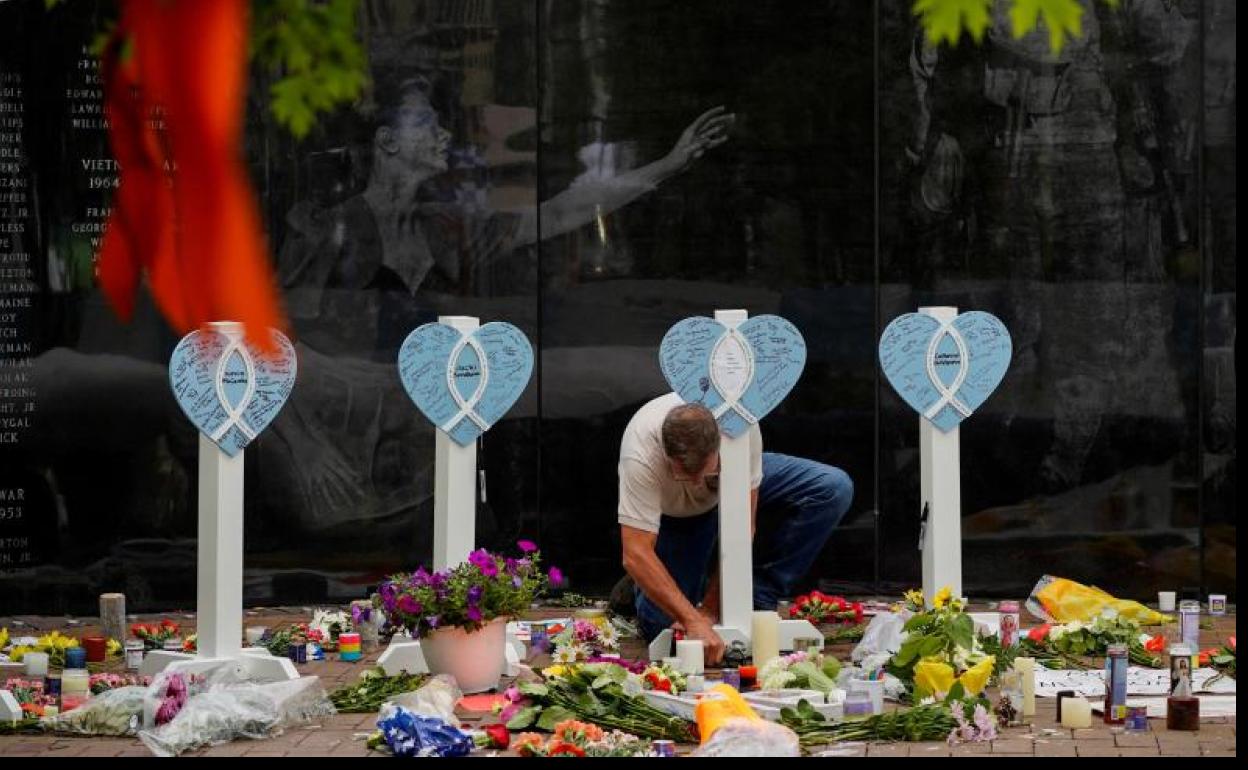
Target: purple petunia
[(433, 620), (474, 614), (474, 595), (556, 576), (527, 546), (483, 561), (408, 604), (516, 582)]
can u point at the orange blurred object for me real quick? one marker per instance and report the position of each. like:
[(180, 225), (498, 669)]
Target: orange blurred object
[(184, 213)]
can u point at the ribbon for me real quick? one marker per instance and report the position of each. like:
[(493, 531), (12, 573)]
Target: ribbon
[(732, 400), (467, 409), (947, 393), (234, 415)]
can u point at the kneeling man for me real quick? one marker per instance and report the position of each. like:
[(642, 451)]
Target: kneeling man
[(669, 518)]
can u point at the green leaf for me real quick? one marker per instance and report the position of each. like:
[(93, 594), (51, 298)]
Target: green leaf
[(553, 716), (931, 645), (1062, 18), (962, 631), (523, 718), (956, 693), (944, 20), (909, 650), (534, 689)]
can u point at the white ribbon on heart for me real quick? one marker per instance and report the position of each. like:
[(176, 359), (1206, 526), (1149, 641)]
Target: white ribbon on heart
[(732, 400), (234, 415), (947, 394), (468, 408)]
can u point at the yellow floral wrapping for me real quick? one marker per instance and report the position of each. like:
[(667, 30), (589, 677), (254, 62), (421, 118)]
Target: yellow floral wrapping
[(1059, 600), (712, 713)]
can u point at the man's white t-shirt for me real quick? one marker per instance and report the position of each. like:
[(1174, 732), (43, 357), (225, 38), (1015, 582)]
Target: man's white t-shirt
[(647, 488)]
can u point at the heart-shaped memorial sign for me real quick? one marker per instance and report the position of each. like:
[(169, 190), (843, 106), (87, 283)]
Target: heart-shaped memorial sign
[(945, 371), (464, 383), (229, 389), (741, 374)]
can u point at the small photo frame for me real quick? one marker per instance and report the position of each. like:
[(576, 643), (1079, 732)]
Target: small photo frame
[(1217, 604)]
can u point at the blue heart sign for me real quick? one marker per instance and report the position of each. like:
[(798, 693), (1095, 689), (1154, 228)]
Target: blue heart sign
[(944, 371), (464, 383), (229, 389), (739, 374)]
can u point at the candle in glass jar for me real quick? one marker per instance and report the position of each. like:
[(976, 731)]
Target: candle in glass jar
[(1026, 668), (765, 636), (1076, 713), (690, 653), (36, 664)]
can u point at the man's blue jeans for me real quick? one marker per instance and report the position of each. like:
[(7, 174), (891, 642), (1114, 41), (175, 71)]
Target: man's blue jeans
[(800, 502)]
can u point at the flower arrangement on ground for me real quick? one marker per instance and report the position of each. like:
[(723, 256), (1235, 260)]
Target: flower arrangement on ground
[(608, 694), (1060, 645), (584, 640), (820, 608), (486, 587), (939, 648), (154, 635), (329, 624), (106, 681), (580, 739), (29, 695), (802, 670), (54, 644)]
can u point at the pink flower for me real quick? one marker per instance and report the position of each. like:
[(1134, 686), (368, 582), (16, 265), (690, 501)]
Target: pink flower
[(474, 614), (484, 562), (408, 604), (556, 576), (527, 546)]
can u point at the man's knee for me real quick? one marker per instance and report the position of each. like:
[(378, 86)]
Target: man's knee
[(836, 488)]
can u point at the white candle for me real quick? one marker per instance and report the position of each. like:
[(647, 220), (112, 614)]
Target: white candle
[(36, 663), (765, 636), (1026, 667), (689, 651), (254, 633), (1165, 601), (1076, 713)]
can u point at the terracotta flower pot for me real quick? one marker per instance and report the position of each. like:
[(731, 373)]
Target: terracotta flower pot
[(475, 659)]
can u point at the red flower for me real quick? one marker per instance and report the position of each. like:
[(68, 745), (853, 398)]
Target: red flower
[(1039, 633), (570, 749), (1206, 654), (1231, 643), (802, 600), (1156, 644), (169, 624), (498, 735), (658, 682)]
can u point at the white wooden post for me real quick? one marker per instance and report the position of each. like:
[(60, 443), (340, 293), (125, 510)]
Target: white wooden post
[(736, 541), (219, 572), (736, 555), (455, 483), (941, 492)]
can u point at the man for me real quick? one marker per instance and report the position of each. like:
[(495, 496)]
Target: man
[(669, 522)]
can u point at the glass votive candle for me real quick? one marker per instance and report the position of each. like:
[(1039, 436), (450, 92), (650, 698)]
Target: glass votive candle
[(36, 664), (75, 657)]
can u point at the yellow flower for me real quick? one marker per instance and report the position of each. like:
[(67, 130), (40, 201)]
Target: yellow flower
[(4, 637), (914, 598), (973, 679), (554, 671), (932, 677), (113, 647), (17, 652), (942, 597)]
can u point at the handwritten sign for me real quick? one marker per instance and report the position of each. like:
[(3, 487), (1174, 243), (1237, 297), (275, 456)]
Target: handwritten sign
[(228, 389), (740, 374), (945, 371), (465, 383)]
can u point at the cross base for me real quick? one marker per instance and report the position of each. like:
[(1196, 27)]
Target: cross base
[(790, 630), (253, 663)]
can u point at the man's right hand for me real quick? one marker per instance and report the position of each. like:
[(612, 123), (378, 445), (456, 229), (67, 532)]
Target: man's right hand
[(700, 627)]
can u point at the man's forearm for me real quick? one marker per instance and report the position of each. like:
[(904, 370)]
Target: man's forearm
[(656, 582)]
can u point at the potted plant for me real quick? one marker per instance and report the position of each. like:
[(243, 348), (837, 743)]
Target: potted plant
[(460, 615)]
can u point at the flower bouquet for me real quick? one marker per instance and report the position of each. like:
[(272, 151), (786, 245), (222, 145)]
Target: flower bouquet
[(486, 587), (1221, 659), (820, 608), (939, 648), (101, 683), (329, 624), (29, 695), (607, 694), (584, 640), (580, 739), (1062, 645), (801, 670), (54, 644), (154, 635)]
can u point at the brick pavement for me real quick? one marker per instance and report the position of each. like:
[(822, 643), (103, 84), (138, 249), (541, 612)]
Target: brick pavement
[(343, 735)]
